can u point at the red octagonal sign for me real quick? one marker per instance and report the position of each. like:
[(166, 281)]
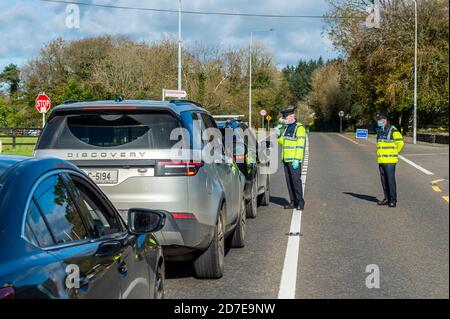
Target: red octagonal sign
[(43, 103)]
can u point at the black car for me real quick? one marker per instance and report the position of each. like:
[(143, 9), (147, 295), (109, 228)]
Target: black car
[(249, 160), (60, 237)]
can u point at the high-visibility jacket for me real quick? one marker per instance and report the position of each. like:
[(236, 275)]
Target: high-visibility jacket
[(389, 145), (293, 147)]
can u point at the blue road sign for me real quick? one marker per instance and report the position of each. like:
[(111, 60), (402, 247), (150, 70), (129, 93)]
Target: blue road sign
[(362, 133)]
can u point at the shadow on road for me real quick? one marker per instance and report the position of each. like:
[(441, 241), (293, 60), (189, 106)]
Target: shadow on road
[(278, 200), (179, 269), (184, 269), (363, 197)]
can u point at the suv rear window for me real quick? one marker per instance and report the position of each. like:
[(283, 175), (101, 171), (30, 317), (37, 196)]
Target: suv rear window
[(123, 130)]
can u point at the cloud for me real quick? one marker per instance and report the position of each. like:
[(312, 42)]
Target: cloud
[(28, 24)]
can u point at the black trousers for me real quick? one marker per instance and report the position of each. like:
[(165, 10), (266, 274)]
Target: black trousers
[(387, 175), (294, 183)]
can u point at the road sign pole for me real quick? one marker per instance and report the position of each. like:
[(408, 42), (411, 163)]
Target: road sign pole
[(43, 104), (341, 115)]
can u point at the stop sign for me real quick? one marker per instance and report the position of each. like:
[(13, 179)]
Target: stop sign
[(43, 103)]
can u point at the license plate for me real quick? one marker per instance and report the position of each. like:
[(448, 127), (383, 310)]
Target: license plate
[(103, 176)]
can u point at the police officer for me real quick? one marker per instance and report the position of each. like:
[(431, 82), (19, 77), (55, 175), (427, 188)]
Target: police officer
[(389, 145), (292, 140)]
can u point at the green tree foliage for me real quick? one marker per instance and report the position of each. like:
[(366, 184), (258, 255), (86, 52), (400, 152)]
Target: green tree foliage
[(300, 76), (327, 97), (378, 70), (103, 67), (10, 77)]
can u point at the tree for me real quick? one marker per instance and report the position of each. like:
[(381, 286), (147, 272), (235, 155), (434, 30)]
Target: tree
[(326, 97), (11, 77), (103, 67), (378, 74), (299, 78)]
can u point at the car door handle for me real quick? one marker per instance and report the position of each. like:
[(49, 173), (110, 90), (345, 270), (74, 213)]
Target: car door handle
[(108, 248)]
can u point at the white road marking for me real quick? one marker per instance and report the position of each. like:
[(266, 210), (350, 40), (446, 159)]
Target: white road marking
[(420, 168), (427, 154), (289, 273)]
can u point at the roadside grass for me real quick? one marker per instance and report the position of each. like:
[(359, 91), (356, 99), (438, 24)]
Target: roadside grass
[(25, 150)]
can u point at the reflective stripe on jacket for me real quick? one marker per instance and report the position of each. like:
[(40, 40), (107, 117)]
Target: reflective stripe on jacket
[(293, 147), (389, 146)]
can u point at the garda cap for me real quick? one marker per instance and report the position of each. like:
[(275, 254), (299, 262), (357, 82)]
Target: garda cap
[(288, 111), (381, 116)]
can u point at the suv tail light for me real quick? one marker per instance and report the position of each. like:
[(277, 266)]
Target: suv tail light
[(239, 158), (7, 293), (182, 168), (183, 215)]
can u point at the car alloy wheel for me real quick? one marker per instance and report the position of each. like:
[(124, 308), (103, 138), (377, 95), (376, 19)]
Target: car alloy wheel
[(221, 239), (252, 204), (237, 239)]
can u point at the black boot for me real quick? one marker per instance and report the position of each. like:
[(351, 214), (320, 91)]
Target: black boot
[(392, 204), (383, 202), (291, 205), (300, 206)]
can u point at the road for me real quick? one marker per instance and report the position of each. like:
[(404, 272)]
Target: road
[(343, 231)]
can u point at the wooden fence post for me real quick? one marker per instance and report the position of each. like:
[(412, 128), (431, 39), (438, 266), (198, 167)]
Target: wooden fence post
[(14, 139)]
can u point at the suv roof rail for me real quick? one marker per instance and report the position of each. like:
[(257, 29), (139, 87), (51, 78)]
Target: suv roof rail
[(175, 101), (229, 117), (71, 101)]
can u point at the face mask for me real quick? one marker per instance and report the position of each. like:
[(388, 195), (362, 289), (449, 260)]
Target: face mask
[(380, 124), (286, 122)]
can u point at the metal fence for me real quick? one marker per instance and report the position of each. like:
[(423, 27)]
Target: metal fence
[(14, 133)]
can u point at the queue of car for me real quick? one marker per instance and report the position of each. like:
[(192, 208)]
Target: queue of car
[(103, 203)]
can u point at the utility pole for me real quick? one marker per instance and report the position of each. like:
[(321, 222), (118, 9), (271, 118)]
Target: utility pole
[(179, 45), (250, 75), (415, 75)]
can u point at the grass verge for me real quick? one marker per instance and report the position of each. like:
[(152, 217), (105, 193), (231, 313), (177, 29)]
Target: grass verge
[(25, 150)]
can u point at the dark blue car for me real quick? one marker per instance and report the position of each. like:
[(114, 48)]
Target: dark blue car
[(60, 237)]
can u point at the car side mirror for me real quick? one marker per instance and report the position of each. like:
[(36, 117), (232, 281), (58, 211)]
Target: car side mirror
[(143, 221)]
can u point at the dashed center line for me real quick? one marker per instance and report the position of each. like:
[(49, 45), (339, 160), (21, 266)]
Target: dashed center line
[(436, 189), (289, 273)]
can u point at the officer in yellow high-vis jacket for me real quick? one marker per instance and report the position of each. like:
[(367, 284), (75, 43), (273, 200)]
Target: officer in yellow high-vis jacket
[(389, 145), (292, 140)]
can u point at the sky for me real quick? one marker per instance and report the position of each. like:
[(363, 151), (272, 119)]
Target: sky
[(26, 25)]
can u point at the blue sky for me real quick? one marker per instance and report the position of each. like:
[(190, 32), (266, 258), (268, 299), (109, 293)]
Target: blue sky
[(28, 24)]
